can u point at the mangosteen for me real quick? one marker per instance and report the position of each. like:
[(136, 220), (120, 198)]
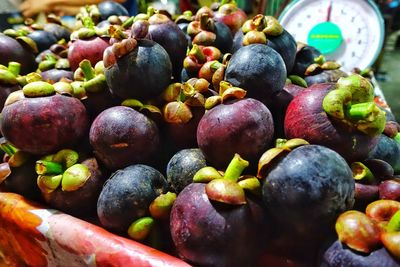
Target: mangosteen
[(305, 188), (207, 219), (137, 68), (242, 126), (109, 8), (267, 30), (305, 56), (16, 50), (121, 136), (231, 15), (205, 31), (59, 31), (87, 43), (127, 195), (390, 189), (387, 149), (18, 172), (322, 71), (182, 167), (43, 39), (166, 33), (351, 126), (52, 121), (70, 184), (258, 69), (339, 255)]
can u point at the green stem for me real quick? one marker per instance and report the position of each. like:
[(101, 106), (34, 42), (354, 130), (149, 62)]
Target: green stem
[(362, 172), (88, 22), (150, 11), (197, 53), (87, 69), (235, 168), (43, 167), (394, 223), (14, 67), (128, 22), (360, 111), (8, 148)]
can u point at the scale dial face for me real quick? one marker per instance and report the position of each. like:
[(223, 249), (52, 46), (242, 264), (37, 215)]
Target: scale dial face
[(350, 32)]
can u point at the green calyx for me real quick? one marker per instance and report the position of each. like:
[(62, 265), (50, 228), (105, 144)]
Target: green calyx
[(38, 89), (260, 28), (352, 103), (140, 229), (61, 169), (282, 148), (17, 158), (137, 105), (161, 206), (394, 223), (226, 187), (362, 173), (226, 91), (9, 75), (320, 64)]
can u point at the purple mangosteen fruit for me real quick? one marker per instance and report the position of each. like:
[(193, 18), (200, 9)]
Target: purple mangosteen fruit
[(110, 8), (322, 71), (387, 149), (50, 120), (137, 68), (242, 126), (43, 39), (390, 189), (305, 56), (165, 32), (127, 195), (182, 166), (121, 136), (342, 117), (305, 188), (15, 50), (267, 30), (207, 32), (207, 220), (258, 69)]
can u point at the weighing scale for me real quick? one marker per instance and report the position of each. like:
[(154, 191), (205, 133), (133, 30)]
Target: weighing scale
[(350, 32)]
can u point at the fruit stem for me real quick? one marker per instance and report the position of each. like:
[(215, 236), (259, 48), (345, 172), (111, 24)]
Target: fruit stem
[(14, 68), (140, 229), (235, 168), (394, 223), (360, 111), (87, 21), (8, 148), (87, 69), (44, 167), (128, 22), (362, 172), (197, 53)]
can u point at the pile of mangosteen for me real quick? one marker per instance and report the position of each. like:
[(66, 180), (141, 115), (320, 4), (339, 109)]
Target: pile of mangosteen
[(213, 136)]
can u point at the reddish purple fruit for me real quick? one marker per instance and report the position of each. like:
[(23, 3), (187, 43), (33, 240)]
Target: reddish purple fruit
[(390, 189), (241, 126), (121, 136), (91, 49), (51, 122)]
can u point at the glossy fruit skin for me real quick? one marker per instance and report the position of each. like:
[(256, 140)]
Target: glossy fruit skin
[(52, 123), (109, 8), (387, 149), (60, 32), (173, 40), (141, 74), (127, 194), (307, 189), (11, 50), (390, 189), (22, 180), (338, 255), (183, 166), (326, 76), (233, 20), (306, 119), (5, 90), (81, 202), (304, 58), (212, 234), (121, 136), (258, 69), (43, 39), (284, 44), (242, 126), (224, 40), (91, 49), (55, 75)]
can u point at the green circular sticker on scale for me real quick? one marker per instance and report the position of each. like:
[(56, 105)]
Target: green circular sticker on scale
[(326, 37)]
